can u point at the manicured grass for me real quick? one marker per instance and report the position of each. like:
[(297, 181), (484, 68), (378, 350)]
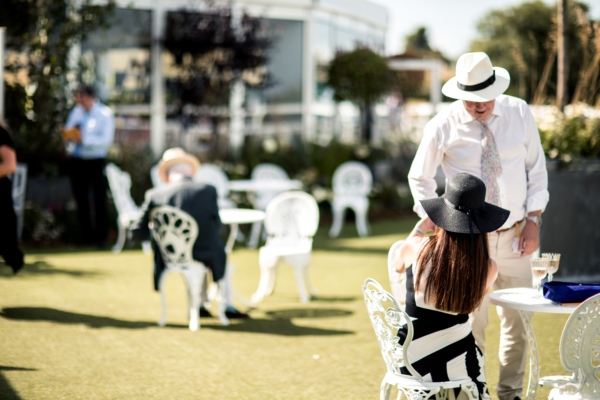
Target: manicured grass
[(82, 325)]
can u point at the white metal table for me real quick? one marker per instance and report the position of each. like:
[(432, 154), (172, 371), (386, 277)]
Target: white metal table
[(235, 217), (253, 185), (525, 299)]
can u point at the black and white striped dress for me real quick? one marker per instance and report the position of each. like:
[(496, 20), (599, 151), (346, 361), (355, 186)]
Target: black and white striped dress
[(443, 347)]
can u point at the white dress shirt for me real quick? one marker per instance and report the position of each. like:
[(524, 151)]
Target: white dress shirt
[(97, 131), (453, 139)]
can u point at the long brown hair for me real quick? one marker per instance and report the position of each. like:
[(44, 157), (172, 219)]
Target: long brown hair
[(456, 281)]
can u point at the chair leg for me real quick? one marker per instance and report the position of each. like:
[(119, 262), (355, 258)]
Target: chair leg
[(386, 389), (223, 289), (300, 263), (309, 286), (255, 235), (194, 282), (267, 264), (362, 225), (163, 300), (338, 221), (146, 247), (272, 278), (120, 239)]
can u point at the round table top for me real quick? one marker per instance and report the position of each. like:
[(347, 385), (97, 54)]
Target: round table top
[(240, 215), (249, 185), (524, 299)]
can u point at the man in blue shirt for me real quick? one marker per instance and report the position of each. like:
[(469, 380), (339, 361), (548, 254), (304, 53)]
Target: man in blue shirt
[(97, 126)]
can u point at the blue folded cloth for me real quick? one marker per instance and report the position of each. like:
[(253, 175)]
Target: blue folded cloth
[(570, 292)]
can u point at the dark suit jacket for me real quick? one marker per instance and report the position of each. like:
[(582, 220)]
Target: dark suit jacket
[(198, 200)]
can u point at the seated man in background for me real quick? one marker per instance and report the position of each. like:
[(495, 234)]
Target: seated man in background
[(177, 168)]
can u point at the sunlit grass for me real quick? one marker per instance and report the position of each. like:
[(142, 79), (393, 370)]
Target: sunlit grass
[(82, 325)]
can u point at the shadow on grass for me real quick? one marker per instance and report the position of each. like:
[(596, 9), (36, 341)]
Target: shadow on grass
[(66, 317), (281, 327), (308, 313), (332, 299), (42, 268), (6, 390)]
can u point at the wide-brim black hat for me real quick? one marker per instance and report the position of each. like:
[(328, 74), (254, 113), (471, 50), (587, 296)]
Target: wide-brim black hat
[(463, 207)]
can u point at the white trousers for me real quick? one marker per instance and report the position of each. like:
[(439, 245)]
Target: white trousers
[(513, 271)]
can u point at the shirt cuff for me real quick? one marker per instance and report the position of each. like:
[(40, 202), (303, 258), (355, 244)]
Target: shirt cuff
[(538, 201)]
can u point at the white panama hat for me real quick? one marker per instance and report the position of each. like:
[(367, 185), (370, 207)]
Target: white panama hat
[(173, 156), (476, 79)]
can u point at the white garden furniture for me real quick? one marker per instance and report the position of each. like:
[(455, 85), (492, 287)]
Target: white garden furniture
[(291, 221), (579, 349), (119, 182), (397, 280), (19, 183), (387, 318), (352, 182), (214, 176), (264, 172), (156, 181), (175, 233)]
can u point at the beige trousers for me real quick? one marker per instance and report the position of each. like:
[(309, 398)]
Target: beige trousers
[(513, 271)]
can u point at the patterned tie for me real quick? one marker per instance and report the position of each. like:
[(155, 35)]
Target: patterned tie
[(491, 168)]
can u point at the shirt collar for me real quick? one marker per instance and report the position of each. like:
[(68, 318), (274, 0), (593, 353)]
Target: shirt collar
[(465, 117)]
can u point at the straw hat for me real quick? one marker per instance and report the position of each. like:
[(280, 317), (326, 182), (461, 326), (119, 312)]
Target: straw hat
[(476, 79), (175, 156)]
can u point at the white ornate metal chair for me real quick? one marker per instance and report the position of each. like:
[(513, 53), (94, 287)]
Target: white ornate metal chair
[(291, 222), (262, 198), (387, 318), (579, 354), (19, 184), (120, 185), (397, 280), (213, 175), (352, 182), (175, 233)]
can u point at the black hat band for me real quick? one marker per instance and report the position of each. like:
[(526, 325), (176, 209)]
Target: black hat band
[(480, 86)]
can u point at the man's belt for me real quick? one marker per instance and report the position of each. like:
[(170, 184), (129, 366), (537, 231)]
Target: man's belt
[(512, 226)]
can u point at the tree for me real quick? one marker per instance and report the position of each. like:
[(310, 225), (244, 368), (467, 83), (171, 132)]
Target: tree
[(523, 39), (38, 74), (361, 76), (212, 51)]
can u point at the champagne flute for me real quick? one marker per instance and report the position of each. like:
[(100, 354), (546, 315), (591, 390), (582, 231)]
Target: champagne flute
[(539, 269), (553, 264)]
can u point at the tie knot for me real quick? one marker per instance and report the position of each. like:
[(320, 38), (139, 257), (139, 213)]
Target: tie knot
[(482, 122)]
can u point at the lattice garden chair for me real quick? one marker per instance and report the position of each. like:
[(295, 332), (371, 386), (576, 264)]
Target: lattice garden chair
[(120, 185), (262, 198), (579, 354), (19, 183), (387, 318), (397, 280), (352, 182), (291, 222), (175, 233)]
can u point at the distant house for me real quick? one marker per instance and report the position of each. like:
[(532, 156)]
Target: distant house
[(131, 68)]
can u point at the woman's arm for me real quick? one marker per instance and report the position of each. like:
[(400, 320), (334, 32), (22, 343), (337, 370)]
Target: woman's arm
[(8, 161), (410, 247), (492, 275)]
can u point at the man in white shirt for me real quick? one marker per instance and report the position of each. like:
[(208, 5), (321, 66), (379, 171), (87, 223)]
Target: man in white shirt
[(97, 126), (494, 137)]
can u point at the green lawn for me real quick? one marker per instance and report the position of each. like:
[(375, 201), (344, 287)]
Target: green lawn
[(82, 325)]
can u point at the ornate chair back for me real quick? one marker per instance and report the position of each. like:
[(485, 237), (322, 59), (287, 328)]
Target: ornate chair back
[(19, 183), (352, 178), (397, 280), (214, 176), (292, 217), (387, 318), (120, 187), (263, 172), (175, 233), (579, 351)]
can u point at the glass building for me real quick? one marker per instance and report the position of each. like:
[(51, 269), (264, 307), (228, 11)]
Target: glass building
[(131, 69)]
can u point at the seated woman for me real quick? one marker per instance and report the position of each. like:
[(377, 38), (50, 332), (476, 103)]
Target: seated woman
[(447, 277)]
